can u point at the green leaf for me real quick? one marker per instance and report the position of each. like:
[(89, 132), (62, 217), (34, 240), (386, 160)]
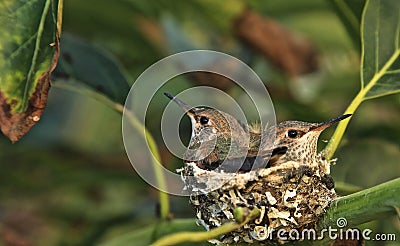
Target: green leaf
[(28, 54), (83, 65), (380, 68), (380, 62), (350, 11)]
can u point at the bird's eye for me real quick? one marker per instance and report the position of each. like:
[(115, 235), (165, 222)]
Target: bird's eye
[(204, 120), (292, 133)]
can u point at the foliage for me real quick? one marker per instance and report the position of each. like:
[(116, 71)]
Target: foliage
[(87, 69), (29, 52), (380, 58)]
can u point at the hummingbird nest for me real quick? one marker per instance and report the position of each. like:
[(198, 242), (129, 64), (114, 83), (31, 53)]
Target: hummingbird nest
[(291, 196)]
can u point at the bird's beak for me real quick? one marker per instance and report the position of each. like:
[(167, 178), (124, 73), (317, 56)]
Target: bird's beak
[(184, 106), (322, 126)]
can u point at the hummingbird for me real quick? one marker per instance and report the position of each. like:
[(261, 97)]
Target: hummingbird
[(217, 137), (294, 141), (297, 140)]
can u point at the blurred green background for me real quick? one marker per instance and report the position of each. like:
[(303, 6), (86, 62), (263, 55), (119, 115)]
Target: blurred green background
[(69, 182)]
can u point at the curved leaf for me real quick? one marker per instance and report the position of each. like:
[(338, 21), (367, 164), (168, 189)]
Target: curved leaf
[(380, 62), (84, 65), (350, 11), (28, 54), (380, 68)]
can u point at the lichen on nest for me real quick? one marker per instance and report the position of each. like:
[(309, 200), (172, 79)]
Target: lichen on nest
[(289, 196)]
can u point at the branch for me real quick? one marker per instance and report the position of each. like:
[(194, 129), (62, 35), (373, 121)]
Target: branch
[(181, 237), (366, 205)]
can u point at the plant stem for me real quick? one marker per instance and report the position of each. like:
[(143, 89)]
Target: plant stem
[(339, 132), (337, 136), (141, 129), (59, 16), (181, 237), (370, 204), (164, 199)]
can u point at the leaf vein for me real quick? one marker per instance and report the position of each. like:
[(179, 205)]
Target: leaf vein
[(21, 7), (393, 71), (382, 94), (35, 55), (397, 41), (362, 33), (23, 45), (381, 72), (377, 38)]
